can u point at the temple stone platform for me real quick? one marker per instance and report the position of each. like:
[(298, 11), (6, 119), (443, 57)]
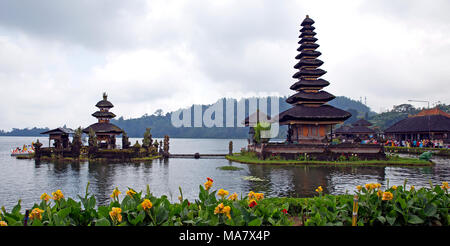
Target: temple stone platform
[(322, 152)]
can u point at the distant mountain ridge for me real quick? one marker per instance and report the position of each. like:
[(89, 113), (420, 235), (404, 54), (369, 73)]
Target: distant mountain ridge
[(161, 124)]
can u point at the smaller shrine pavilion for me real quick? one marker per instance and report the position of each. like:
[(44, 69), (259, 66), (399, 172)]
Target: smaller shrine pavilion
[(60, 137), (105, 131), (358, 130), (252, 120)]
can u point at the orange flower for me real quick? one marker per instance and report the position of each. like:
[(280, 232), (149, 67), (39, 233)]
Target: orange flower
[(251, 195), (131, 192), (222, 193), (233, 197), (115, 214), (379, 193), (387, 196), (319, 189), (359, 187), (259, 196), (57, 195), (444, 185), (45, 197), (146, 204), (208, 184), (252, 203), (3, 223), (115, 193), (221, 209), (36, 213)]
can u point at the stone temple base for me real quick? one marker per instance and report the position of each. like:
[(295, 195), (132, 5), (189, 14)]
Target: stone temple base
[(320, 152)]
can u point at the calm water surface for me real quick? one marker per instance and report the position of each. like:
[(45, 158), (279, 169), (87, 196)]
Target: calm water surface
[(27, 180)]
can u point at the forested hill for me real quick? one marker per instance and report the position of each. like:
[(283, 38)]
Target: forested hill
[(161, 124)]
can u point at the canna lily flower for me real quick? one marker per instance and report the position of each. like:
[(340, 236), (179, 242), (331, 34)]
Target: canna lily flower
[(379, 193), (259, 196), (412, 188), (284, 211), (221, 209), (359, 187), (36, 213), (45, 197), (115, 193), (146, 204), (319, 189), (222, 193), (233, 197), (387, 196), (131, 192), (394, 187), (251, 195), (3, 223), (208, 184), (252, 203), (115, 214), (57, 195), (444, 185)]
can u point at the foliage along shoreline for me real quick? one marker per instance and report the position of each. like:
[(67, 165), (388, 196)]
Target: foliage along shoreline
[(417, 150), (370, 206)]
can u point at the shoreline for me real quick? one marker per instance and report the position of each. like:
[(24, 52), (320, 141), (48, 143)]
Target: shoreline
[(401, 161)]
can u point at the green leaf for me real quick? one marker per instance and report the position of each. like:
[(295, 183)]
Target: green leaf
[(102, 222), (414, 219), (64, 212), (430, 210), (381, 219), (255, 222), (390, 220)]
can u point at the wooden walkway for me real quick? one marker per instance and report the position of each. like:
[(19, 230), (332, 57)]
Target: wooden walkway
[(198, 156)]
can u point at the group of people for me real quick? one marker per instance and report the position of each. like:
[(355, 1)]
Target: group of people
[(424, 143)]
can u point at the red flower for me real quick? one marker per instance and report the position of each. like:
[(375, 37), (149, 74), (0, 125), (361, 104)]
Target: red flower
[(284, 211), (210, 179), (252, 203)]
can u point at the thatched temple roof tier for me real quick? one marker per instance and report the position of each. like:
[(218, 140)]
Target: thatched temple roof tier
[(307, 46), (309, 83), (429, 123), (104, 104), (308, 62), (307, 21), (103, 114), (303, 96), (314, 114), (308, 53), (307, 39), (309, 72), (103, 127), (307, 33)]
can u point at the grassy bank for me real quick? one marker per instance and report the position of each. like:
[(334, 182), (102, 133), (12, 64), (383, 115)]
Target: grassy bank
[(249, 158)]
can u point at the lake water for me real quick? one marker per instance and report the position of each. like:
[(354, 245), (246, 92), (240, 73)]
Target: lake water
[(27, 180)]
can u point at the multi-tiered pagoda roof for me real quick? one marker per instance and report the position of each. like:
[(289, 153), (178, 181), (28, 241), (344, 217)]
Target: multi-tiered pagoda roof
[(103, 115), (310, 100)]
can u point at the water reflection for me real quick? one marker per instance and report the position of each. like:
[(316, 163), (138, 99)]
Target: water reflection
[(28, 179)]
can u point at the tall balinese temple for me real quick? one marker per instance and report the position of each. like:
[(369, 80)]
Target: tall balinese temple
[(310, 118), (105, 132)]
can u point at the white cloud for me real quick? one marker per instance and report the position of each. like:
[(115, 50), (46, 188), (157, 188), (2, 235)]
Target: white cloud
[(56, 58)]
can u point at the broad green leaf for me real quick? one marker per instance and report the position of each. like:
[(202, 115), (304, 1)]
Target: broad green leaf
[(255, 222), (102, 222), (430, 210), (414, 219)]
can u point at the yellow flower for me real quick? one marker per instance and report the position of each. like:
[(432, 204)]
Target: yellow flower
[(359, 187), (377, 185), (251, 195), (45, 197), (147, 204), (379, 193), (115, 193), (57, 195), (36, 213), (259, 196), (222, 193), (233, 197), (368, 186), (319, 189), (221, 209), (444, 185), (394, 187), (131, 192), (208, 184), (412, 188), (3, 223), (115, 214), (387, 196)]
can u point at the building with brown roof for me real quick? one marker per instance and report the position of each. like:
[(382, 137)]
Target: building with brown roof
[(432, 124)]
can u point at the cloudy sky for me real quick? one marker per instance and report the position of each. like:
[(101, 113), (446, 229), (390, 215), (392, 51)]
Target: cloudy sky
[(58, 57)]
